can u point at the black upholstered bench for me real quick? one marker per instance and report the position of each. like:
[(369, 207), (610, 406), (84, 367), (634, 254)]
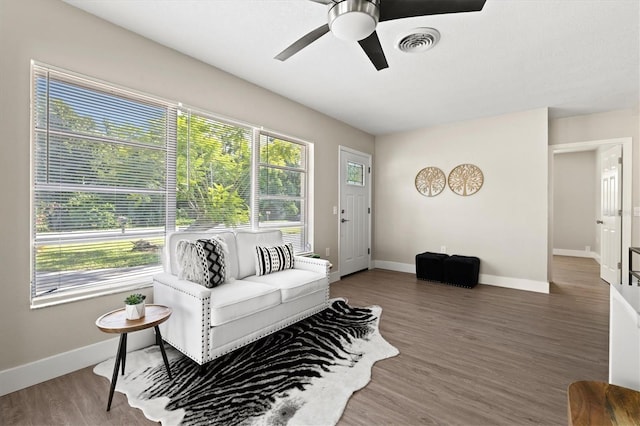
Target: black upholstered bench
[(430, 267), (461, 271)]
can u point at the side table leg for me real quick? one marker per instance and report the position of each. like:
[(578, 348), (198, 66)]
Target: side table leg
[(119, 356), (124, 351), (160, 343)]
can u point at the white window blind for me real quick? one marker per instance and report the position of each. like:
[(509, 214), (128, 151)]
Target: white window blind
[(114, 171), (214, 173), (100, 173), (282, 192)]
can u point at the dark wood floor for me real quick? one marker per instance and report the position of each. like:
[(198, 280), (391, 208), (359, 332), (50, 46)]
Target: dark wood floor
[(486, 356), (483, 356)]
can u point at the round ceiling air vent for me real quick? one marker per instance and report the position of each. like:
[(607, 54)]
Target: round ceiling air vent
[(419, 40)]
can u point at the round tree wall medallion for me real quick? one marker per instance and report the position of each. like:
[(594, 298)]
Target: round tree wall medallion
[(466, 179), (430, 181)]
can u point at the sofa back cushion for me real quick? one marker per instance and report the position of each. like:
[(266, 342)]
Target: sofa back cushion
[(171, 260), (247, 242)]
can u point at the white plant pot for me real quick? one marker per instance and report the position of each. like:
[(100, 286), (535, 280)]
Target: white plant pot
[(134, 312)]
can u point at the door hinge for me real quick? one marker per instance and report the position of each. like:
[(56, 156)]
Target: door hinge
[(369, 210), (369, 169), (368, 251), (619, 265), (619, 212), (619, 160)]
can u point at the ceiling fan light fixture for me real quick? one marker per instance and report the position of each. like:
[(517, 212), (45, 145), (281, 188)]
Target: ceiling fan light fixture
[(353, 20)]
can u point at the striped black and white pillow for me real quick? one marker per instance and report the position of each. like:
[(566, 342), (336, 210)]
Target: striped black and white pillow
[(273, 259)]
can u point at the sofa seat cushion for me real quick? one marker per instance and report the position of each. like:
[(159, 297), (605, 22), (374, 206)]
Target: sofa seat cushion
[(293, 283), (240, 298)]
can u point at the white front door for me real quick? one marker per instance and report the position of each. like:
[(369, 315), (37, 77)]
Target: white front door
[(355, 211), (610, 214)]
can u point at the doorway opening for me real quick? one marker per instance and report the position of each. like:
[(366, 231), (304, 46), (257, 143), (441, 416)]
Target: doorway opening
[(603, 230)]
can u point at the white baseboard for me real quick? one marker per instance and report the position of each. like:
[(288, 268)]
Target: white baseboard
[(395, 266), (577, 253), (30, 374), (516, 283), (508, 282)]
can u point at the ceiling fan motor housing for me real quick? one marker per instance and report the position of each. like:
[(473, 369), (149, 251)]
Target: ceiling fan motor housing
[(354, 20)]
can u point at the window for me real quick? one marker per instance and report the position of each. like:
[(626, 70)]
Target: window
[(355, 173), (213, 173), (114, 171), (99, 184), (281, 199)]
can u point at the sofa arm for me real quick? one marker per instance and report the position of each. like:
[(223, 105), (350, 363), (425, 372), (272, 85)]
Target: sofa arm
[(188, 327), (320, 266)]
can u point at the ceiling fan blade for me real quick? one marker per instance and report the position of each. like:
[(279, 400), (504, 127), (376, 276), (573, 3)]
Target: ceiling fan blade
[(396, 9), (373, 49), (324, 1), (303, 42)]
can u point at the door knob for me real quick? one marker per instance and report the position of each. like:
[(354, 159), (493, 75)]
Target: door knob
[(343, 220), (599, 222)]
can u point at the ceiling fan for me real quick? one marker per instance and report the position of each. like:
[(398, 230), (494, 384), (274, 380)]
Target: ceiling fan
[(356, 20)]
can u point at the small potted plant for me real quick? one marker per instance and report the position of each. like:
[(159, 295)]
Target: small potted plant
[(134, 305)]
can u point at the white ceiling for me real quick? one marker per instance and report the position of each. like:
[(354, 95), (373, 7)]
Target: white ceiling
[(574, 56)]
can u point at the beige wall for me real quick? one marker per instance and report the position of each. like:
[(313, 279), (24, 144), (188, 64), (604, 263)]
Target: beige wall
[(52, 32), (505, 223), (590, 127), (575, 184)]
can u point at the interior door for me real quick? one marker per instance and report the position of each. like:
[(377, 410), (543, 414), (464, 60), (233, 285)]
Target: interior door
[(355, 211), (610, 214)]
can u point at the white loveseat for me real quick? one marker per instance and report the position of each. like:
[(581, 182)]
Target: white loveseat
[(209, 322)]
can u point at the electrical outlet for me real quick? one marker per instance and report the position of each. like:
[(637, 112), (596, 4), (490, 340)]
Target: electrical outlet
[(327, 251), (587, 249), (335, 209), (443, 249)]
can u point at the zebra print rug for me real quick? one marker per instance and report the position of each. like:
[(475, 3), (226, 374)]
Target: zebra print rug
[(302, 375)]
